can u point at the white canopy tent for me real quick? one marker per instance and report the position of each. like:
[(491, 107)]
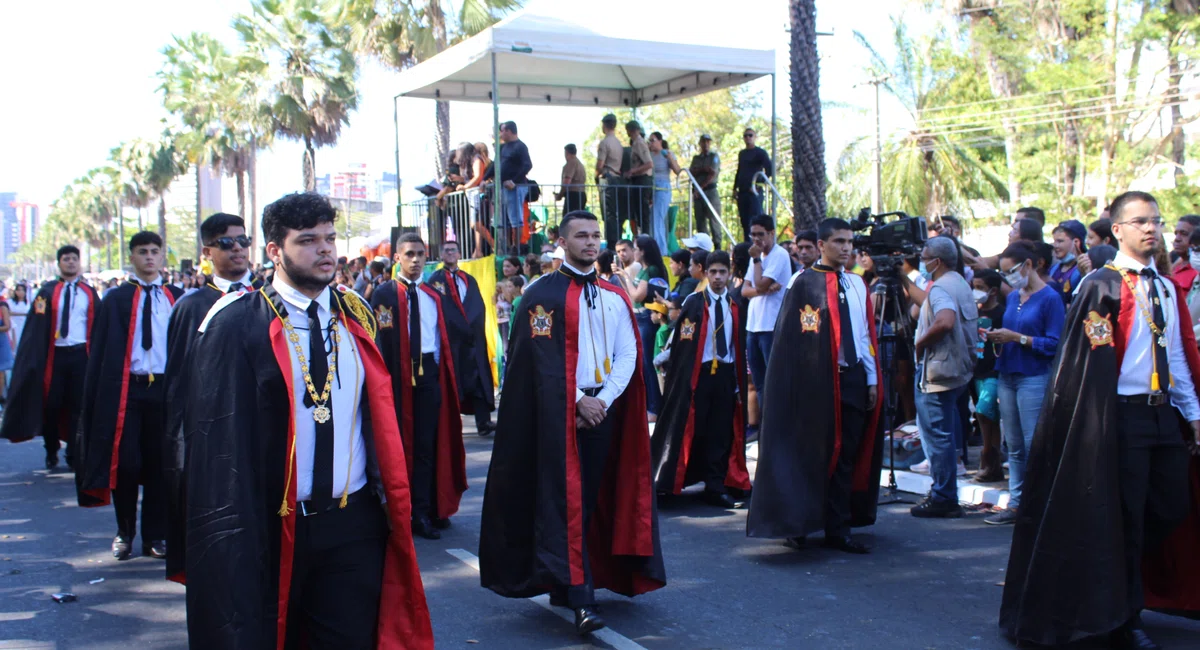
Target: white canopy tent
[(627, 53)]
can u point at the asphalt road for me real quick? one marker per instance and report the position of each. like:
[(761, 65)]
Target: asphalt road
[(928, 584)]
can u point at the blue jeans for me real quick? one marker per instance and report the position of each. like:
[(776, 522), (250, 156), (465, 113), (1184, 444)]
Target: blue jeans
[(662, 203), (940, 426), (758, 350), (1020, 403), (647, 329), (514, 206)]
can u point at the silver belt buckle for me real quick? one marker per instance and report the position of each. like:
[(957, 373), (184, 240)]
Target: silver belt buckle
[(303, 507)]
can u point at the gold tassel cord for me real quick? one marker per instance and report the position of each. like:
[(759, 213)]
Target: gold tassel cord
[(353, 418)]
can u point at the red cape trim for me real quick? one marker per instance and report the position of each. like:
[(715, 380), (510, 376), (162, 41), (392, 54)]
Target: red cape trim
[(48, 373), (689, 429), (575, 530), (287, 527), (835, 339), (124, 394), (451, 473), (866, 449)]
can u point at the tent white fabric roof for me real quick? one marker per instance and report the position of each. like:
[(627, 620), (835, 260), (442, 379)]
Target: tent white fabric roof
[(575, 53)]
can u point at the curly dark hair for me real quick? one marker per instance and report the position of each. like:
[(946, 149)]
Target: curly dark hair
[(297, 211)]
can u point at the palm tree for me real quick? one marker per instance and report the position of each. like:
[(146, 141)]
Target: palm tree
[(166, 164), (310, 72), (808, 142)]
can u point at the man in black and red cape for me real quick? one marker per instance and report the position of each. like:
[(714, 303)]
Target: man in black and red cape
[(227, 248), (121, 429), (297, 491), (45, 396), (700, 435), (1109, 521), (466, 321), (569, 503), (416, 349), (820, 444)]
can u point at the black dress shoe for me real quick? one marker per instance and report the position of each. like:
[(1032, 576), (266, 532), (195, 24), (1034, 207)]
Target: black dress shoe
[(845, 544), (795, 542), (1133, 637), (51, 460), (156, 549), (423, 527), (486, 430), (587, 620), (558, 598), (719, 499), (122, 548), (441, 524)]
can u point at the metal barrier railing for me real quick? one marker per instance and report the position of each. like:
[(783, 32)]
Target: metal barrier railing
[(699, 191), (767, 179)]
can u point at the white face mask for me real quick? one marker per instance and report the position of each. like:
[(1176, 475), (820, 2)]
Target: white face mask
[(980, 296), (1016, 280), (1194, 259)]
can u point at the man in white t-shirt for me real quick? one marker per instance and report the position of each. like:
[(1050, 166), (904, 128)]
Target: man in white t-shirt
[(770, 267)]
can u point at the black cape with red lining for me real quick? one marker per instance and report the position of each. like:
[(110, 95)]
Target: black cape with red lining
[(468, 335), (34, 365), (450, 467), (238, 432), (182, 331), (1066, 572), (800, 436), (105, 393), (671, 444), (532, 528)]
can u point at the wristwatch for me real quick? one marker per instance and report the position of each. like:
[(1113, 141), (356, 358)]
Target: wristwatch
[(1024, 340), (757, 260)]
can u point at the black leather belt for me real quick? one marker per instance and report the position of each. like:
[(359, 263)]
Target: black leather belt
[(591, 392), (842, 368), (1155, 399), (308, 508), (145, 379)]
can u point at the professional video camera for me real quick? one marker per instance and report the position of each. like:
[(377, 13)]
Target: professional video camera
[(888, 243)]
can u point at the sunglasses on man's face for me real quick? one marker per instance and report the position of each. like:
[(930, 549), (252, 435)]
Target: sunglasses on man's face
[(226, 243)]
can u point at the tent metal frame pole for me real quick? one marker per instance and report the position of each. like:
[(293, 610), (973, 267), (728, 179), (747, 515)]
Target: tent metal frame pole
[(774, 160), (498, 196), (396, 137)]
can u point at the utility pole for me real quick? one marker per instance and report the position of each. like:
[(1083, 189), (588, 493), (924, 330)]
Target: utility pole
[(877, 157)]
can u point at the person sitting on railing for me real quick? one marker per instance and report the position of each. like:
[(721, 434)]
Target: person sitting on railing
[(452, 179), (574, 180), (473, 166)]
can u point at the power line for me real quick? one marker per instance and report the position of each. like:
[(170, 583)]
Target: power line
[(1096, 112)]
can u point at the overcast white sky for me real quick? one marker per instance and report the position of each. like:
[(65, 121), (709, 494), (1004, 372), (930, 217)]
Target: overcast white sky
[(78, 78)]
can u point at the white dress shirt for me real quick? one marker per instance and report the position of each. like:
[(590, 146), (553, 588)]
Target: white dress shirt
[(726, 328), (764, 310), (605, 332), (856, 294), (77, 333), (1138, 364), (223, 284), (431, 333), (459, 282), (347, 413), (154, 360)]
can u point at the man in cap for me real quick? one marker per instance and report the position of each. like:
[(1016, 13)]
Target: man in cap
[(699, 242), (705, 168), (608, 169), (640, 176), (751, 160)]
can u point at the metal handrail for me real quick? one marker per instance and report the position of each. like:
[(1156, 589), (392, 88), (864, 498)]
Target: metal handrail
[(767, 179), (699, 190)]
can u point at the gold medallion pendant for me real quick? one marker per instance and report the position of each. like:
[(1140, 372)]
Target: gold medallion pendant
[(321, 414)]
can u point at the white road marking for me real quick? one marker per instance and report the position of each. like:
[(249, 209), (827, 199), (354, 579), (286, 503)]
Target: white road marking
[(607, 635)]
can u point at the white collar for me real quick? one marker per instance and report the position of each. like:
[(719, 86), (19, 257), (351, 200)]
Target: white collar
[(157, 282), (715, 296), (293, 296), (577, 271), (1123, 261), (406, 282), (223, 284)]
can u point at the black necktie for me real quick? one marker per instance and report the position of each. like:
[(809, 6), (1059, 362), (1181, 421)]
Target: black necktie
[(719, 331), (849, 352), (64, 327), (318, 367), (235, 287), (1158, 342), (147, 316), (587, 280), (414, 325)]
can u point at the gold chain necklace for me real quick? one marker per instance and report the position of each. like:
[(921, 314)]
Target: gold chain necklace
[(321, 412), (1159, 336)]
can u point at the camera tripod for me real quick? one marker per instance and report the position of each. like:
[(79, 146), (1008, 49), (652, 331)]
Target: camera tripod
[(888, 297)]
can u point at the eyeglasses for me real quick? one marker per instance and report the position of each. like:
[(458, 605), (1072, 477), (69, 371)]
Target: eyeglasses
[(1142, 222), (226, 243), (747, 135)]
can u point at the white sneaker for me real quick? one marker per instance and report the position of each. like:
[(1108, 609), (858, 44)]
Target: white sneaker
[(921, 467), (962, 469)]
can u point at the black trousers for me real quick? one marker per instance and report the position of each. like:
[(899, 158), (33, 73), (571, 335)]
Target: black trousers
[(427, 404), (593, 446), (337, 577), (140, 461), (854, 420), (749, 205), (616, 209), (64, 402), (1154, 483), (641, 197), (574, 200), (715, 400)]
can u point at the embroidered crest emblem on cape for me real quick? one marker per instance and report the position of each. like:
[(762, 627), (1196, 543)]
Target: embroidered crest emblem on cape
[(440, 286), (541, 321), (383, 314), (687, 331), (39, 305), (1098, 329), (810, 319)]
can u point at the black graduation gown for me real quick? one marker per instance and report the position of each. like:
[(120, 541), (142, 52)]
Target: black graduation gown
[(466, 323), (34, 365), (240, 484), (800, 435), (182, 331), (1066, 570), (671, 444), (105, 391), (531, 539), (392, 337)]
